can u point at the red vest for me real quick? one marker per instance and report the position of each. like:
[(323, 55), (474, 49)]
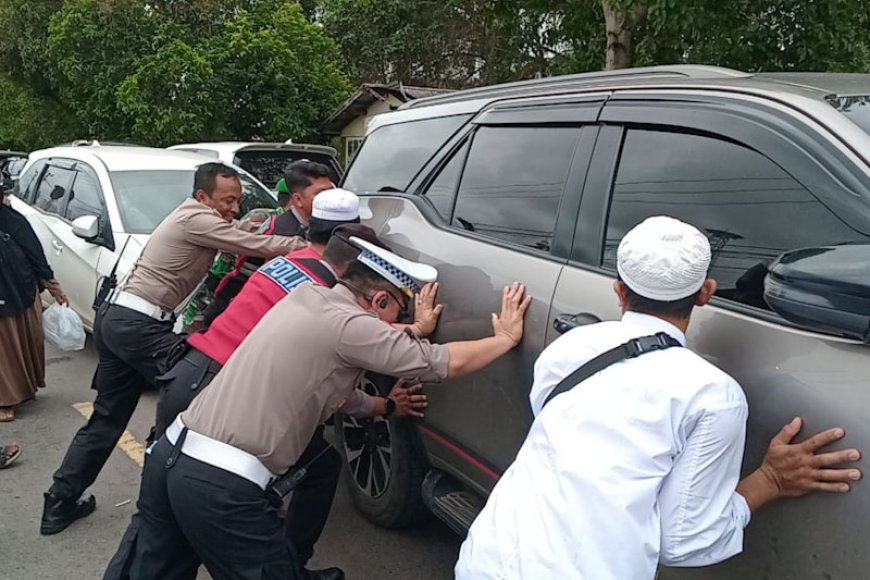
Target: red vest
[(272, 282)]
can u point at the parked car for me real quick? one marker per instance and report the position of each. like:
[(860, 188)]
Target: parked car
[(538, 181), (11, 162), (88, 204), (266, 161)]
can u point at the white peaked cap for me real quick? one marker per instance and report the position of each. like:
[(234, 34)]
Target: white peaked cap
[(336, 205), (663, 259), (403, 274)]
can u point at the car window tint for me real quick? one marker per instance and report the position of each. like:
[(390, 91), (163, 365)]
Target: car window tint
[(391, 156), (268, 165), (751, 209), (442, 190), (86, 197), (54, 188), (25, 187), (513, 182), (254, 196)]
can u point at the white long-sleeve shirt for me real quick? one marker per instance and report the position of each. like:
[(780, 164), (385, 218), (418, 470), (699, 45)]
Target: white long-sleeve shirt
[(636, 466)]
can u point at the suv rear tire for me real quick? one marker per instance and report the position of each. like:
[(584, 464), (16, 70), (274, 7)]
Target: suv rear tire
[(386, 463)]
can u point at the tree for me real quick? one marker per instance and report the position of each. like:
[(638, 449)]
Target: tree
[(621, 20)]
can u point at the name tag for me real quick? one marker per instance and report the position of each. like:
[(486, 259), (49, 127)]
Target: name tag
[(285, 274)]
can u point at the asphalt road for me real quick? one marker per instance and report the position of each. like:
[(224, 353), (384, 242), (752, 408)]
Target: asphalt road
[(44, 429)]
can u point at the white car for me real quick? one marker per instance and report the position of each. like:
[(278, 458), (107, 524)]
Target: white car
[(265, 160), (87, 203)]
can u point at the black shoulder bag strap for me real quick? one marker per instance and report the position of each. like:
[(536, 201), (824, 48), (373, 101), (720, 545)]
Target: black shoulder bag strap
[(631, 349), (109, 282)]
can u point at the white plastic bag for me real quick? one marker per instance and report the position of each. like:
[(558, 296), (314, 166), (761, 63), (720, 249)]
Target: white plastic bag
[(63, 328)]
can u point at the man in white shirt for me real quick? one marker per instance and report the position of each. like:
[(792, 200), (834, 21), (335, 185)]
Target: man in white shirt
[(639, 464)]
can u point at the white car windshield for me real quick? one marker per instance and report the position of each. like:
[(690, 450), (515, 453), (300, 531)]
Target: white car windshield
[(144, 198)]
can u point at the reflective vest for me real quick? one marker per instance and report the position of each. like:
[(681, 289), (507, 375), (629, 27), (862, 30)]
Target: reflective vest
[(269, 284)]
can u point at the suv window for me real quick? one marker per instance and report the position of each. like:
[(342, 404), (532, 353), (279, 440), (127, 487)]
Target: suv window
[(513, 181), (391, 156), (751, 209), (442, 190), (86, 197), (53, 190)]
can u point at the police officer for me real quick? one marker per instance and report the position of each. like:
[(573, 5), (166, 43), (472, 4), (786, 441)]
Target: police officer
[(256, 418), (304, 180), (638, 464), (133, 329)]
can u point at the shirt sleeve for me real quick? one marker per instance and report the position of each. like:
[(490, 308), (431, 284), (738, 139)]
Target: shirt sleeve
[(210, 231), (371, 344), (702, 515), (358, 404)]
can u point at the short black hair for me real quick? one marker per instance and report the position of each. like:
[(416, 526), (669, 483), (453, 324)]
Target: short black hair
[(206, 176), (320, 230), (360, 277), (681, 308), (283, 198), (298, 175)]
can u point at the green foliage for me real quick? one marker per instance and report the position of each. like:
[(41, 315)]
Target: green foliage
[(29, 121)]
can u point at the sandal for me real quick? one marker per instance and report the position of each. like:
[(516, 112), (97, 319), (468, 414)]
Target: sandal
[(8, 454), (7, 414)]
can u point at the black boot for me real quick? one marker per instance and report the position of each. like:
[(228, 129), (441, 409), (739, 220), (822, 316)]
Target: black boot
[(59, 513), (325, 574)]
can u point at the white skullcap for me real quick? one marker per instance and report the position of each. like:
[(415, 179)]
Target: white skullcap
[(663, 259), (336, 205), (401, 273)]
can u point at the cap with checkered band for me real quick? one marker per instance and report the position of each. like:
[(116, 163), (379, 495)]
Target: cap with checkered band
[(403, 274)]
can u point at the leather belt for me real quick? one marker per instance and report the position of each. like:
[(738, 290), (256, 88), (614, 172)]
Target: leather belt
[(221, 455), (142, 306)]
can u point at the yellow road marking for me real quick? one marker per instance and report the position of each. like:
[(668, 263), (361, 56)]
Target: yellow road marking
[(127, 443)]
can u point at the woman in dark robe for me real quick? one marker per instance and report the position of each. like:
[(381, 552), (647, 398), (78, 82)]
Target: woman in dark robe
[(24, 273)]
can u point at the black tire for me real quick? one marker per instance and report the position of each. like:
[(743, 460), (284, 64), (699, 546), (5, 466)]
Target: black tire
[(386, 463)]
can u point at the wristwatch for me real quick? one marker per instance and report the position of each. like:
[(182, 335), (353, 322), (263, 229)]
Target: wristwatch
[(390, 404)]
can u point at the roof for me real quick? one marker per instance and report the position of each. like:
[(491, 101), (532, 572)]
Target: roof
[(813, 85), (124, 158), (368, 94)]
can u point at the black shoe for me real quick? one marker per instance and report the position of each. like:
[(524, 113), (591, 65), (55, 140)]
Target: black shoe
[(325, 574), (59, 513)]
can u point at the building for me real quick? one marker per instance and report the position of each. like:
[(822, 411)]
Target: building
[(348, 122)]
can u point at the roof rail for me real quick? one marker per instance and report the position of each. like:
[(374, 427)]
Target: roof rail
[(579, 80), (85, 143)]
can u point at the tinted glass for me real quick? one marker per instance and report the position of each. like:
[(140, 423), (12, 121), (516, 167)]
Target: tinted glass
[(85, 198), (53, 189), (749, 207), (857, 108), (442, 190), (391, 156), (26, 185), (144, 198), (268, 166), (513, 182)]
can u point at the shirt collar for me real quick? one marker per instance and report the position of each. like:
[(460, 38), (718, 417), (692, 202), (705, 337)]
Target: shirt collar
[(652, 324), (298, 217)]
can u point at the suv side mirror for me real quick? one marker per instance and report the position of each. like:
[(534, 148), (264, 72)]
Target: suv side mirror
[(826, 289), (86, 227)]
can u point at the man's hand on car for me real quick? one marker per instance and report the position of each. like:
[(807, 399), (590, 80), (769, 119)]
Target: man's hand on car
[(409, 400), (795, 469), (426, 310), (509, 324)]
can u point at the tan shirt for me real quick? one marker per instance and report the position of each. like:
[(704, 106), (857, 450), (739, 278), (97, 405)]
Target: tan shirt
[(297, 366), (182, 248)]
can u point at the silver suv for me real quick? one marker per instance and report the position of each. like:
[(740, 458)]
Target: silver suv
[(537, 181)]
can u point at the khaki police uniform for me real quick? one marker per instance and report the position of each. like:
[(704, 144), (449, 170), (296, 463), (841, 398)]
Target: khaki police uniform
[(133, 334), (252, 424)]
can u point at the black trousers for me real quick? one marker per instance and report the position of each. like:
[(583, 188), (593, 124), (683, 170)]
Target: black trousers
[(311, 502), (132, 349), (191, 511)]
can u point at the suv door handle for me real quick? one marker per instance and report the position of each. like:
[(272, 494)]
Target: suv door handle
[(565, 322), (57, 246)]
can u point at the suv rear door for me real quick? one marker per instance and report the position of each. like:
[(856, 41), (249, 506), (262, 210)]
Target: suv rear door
[(759, 180), (497, 204)]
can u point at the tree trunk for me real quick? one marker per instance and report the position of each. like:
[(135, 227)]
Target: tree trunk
[(620, 24)]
